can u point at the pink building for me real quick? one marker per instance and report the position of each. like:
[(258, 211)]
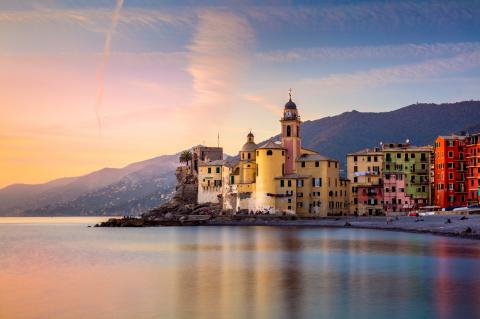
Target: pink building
[(395, 198)]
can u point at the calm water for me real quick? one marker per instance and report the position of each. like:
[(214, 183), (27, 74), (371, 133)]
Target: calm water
[(59, 268)]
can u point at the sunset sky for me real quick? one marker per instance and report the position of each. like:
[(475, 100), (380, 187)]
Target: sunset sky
[(174, 73)]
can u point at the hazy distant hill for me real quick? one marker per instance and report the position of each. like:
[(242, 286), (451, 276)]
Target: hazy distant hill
[(107, 191), (140, 186)]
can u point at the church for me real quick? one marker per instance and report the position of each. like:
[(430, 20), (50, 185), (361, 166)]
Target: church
[(276, 177)]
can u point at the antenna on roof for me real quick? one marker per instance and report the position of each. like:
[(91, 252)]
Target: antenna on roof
[(218, 139), (407, 141)]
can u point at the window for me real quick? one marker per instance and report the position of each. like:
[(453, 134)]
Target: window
[(355, 179), (303, 164), (450, 154), (289, 207), (269, 153), (282, 183), (217, 170), (317, 164), (289, 130), (375, 158), (300, 183), (354, 158), (369, 158), (289, 183), (355, 168), (248, 156), (316, 182), (399, 155), (209, 170)]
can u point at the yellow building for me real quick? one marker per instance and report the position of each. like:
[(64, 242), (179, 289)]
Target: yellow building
[(281, 177), (364, 170), (210, 181)]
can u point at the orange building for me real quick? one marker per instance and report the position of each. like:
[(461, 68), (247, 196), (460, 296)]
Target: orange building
[(450, 171), (472, 156)]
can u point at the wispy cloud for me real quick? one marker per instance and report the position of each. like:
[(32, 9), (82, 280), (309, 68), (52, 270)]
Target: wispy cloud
[(423, 50), (398, 74), (94, 19), (219, 54), (103, 65), (390, 15), (263, 102)]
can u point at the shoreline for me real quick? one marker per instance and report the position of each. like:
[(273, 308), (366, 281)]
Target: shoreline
[(467, 227)]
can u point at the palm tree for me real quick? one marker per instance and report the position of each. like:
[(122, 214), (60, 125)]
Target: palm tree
[(185, 157)]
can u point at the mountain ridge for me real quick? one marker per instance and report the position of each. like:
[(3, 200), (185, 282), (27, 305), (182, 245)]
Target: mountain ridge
[(142, 185)]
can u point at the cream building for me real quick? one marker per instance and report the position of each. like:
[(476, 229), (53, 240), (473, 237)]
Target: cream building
[(277, 177), (365, 174)]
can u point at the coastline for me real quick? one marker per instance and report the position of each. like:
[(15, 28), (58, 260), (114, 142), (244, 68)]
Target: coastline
[(460, 226)]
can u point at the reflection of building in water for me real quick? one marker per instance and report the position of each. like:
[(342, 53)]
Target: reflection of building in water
[(276, 176)]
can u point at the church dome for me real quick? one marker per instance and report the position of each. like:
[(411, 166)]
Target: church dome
[(290, 105), (249, 147)]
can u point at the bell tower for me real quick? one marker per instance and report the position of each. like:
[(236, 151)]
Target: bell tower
[(291, 138)]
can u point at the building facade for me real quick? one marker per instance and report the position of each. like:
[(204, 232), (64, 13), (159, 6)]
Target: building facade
[(472, 156), (406, 171), (278, 177), (450, 171), (364, 170)]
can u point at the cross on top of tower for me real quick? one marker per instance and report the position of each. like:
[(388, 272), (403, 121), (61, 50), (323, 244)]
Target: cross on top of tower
[(290, 93)]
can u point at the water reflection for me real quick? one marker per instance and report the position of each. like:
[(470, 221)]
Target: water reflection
[(70, 271)]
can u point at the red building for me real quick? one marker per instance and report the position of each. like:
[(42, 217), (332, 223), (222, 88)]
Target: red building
[(472, 156), (450, 171)]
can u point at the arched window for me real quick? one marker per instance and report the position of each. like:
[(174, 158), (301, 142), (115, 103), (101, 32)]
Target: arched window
[(298, 131), (269, 153), (243, 156), (289, 130), (248, 155)]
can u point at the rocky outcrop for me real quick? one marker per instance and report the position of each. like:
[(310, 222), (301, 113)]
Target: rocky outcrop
[(187, 186), (170, 214)]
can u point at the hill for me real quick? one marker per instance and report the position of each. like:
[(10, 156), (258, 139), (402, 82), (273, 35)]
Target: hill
[(143, 185)]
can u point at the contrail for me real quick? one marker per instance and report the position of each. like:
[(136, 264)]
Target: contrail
[(103, 65)]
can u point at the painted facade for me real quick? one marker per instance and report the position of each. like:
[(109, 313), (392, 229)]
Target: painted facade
[(410, 166), (450, 171), (472, 156), (364, 170)]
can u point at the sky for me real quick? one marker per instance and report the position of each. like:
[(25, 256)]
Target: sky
[(90, 84)]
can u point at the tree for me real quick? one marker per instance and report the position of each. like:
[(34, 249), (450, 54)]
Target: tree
[(185, 157)]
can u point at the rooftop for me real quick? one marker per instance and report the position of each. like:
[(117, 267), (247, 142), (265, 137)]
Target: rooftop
[(213, 163), (367, 151), (271, 145), (314, 157), (293, 176)]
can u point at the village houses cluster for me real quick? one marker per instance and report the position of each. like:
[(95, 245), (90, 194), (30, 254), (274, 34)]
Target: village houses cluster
[(285, 177)]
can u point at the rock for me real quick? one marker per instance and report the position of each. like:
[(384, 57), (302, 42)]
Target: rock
[(347, 224), (168, 216), (468, 230), (448, 221), (463, 218)]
